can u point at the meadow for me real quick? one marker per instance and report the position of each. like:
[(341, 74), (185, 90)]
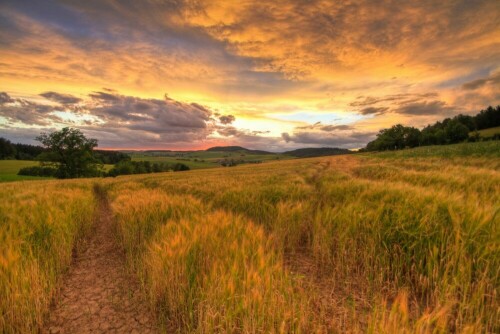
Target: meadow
[(203, 159), (487, 133), (9, 169), (396, 242)]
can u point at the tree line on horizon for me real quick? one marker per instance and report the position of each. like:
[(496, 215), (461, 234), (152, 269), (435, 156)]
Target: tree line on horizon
[(448, 131), (69, 154), (17, 151)]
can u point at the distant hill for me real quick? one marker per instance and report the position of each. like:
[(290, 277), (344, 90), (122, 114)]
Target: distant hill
[(299, 153), (317, 152), (235, 149)]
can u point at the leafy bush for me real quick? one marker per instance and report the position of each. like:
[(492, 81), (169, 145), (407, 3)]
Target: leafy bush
[(449, 131), (38, 171), (144, 167)]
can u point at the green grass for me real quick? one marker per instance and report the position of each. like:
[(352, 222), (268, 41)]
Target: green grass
[(487, 133), (391, 242), (9, 169), (173, 160), (480, 149), (203, 159)]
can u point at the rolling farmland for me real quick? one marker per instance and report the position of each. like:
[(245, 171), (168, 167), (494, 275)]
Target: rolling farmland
[(397, 242)]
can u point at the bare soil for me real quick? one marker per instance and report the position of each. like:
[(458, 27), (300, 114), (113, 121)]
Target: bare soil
[(98, 295)]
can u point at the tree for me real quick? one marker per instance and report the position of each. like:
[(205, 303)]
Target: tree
[(70, 152), (7, 150), (466, 120), (456, 132), (488, 118), (412, 136), (395, 138)]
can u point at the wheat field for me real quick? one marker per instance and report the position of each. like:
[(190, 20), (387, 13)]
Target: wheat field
[(404, 242)]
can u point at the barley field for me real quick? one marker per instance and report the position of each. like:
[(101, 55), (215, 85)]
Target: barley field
[(398, 242)]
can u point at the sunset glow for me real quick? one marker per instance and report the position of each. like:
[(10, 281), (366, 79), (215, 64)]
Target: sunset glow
[(275, 75)]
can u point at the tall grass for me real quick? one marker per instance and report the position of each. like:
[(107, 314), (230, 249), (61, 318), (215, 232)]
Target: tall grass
[(40, 225), (396, 242), (208, 271), (420, 231)]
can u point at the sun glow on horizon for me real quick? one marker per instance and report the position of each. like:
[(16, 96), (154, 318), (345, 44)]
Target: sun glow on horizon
[(163, 74)]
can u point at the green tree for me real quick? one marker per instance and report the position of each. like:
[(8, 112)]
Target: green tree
[(456, 132), (395, 138), (7, 150), (70, 152)]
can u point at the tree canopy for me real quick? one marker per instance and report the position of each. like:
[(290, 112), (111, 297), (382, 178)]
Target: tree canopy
[(449, 131), (70, 152)]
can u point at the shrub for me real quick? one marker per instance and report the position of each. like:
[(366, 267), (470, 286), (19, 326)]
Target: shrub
[(38, 171)]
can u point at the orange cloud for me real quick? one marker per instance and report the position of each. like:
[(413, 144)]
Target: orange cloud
[(259, 60)]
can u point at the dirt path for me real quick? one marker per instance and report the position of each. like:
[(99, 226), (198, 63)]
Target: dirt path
[(98, 296)]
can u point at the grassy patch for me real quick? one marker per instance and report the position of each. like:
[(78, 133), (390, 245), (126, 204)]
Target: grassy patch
[(204, 159), (488, 133), (41, 223), (479, 149), (392, 242), (9, 169)]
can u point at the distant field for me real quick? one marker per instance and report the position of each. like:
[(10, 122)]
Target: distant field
[(172, 160), (486, 133), (479, 149), (203, 159), (392, 242), (10, 168)]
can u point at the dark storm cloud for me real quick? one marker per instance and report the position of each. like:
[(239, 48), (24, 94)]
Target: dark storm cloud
[(61, 98)]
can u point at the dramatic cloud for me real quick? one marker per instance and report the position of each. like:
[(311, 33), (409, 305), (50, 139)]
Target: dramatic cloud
[(226, 119), (328, 128), (164, 120), (493, 80), (5, 98), (148, 121), (373, 110), (25, 112), (244, 71), (346, 136), (363, 101), (424, 108), (352, 140), (230, 131), (60, 98)]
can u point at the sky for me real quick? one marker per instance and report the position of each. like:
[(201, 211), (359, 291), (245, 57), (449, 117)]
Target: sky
[(273, 75)]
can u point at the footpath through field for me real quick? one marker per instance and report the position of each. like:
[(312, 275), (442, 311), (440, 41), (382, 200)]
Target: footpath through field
[(98, 295)]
